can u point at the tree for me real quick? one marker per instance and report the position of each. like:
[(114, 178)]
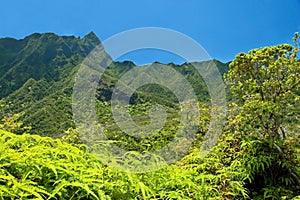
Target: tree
[(265, 86), (265, 82), (11, 122)]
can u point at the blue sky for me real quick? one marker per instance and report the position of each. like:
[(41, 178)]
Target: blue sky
[(223, 27)]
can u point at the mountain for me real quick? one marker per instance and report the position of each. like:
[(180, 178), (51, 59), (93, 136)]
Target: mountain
[(40, 56), (37, 77)]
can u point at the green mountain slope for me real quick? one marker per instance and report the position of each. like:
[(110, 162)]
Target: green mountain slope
[(37, 76), (40, 56)]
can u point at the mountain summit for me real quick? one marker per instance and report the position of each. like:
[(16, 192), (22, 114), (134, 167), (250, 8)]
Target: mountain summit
[(91, 38)]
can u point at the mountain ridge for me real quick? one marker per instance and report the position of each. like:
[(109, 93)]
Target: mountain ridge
[(37, 76)]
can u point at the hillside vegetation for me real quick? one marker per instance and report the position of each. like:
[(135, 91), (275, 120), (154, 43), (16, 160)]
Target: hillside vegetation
[(37, 76), (256, 157)]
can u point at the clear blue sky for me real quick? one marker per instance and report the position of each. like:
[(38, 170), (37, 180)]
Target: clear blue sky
[(222, 27)]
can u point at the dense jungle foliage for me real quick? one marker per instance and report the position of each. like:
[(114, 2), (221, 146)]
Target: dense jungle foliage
[(42, 155)]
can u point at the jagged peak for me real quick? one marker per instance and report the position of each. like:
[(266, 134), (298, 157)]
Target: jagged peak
[(91, 34), (126, 62), (92, 37)]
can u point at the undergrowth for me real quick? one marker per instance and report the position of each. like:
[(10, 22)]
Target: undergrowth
[(35, 167)]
